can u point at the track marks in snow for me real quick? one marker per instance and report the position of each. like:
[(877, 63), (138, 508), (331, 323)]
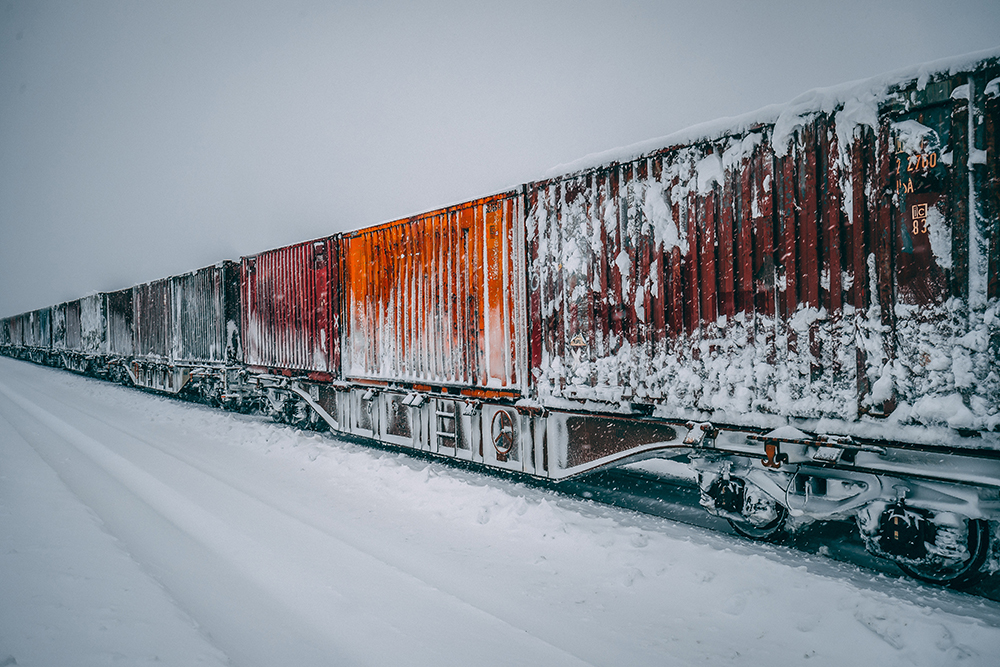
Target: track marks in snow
[(69, 593), (351, 616), (618, 588)]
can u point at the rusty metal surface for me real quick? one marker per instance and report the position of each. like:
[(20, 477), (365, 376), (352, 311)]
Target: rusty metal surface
[(747, 276), (121, 340), (287, 315), (437, 299)]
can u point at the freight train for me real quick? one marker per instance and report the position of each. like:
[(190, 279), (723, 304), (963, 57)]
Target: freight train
[(803, 304)]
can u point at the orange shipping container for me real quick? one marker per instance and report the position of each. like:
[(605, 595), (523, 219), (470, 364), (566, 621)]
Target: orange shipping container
[(438, 299)]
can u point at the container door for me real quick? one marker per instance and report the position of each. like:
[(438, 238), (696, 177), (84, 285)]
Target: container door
[(925, 252)]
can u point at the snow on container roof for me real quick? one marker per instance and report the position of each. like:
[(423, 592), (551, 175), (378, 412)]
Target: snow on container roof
[(855, 103)]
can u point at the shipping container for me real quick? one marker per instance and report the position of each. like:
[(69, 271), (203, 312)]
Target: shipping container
[(66, 326), (120, 317), (154, 330), (288, 314), (92, 326), (437, 299), (38, 329), (819, 267), (204, 314), (16, 330)]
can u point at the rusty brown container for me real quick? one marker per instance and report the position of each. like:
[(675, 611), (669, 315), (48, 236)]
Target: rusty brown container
[(437, 299), (831, 270), (287, 314)]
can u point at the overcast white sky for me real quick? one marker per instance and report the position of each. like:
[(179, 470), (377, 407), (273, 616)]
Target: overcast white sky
[(144, 139)]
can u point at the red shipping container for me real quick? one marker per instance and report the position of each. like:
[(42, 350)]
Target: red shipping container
[(288, 320)]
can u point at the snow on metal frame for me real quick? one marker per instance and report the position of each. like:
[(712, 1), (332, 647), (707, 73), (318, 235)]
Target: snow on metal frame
[(855, 104)]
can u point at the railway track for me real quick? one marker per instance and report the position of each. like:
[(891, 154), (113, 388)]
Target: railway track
[(676, 499)]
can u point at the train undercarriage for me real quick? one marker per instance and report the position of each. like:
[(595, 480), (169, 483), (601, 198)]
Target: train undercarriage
[(934, 511)]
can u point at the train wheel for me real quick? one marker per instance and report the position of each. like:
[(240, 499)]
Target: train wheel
[(770, 531), (957, 574)]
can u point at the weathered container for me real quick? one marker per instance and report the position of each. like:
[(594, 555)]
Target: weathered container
[(59, 326), (66, 326), (820, 267), (38, 330), (204, 312), (92, 325), (154, 327), (16, 330), (287, 308), (120, 318), (437, 299)]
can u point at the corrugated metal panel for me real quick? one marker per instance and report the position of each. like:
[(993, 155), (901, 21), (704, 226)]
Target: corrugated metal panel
[(59, 326), (153, 319), (16, 329), (121, 336), (199, 314), (286, 301), (74, 331), (5, 331), (93, 324), (66, 326), (38, 332), (693, 278), (724, 276), (439, 298)]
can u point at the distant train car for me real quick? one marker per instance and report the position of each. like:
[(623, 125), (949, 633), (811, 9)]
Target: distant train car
[(79, 334), (289, 316), (185, 332), (30, 335)]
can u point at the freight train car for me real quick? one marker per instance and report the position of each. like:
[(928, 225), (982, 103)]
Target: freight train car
[(290, 324), (803, 303), (185, 334), (817, 296)]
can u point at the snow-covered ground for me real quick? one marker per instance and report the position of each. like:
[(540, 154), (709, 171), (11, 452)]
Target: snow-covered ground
[(136, 529)]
